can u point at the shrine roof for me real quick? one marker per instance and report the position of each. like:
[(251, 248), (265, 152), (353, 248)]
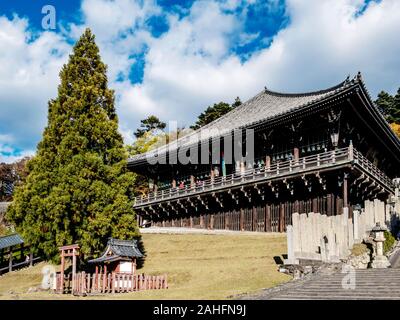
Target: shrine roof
[(10, 240), (119, 250)]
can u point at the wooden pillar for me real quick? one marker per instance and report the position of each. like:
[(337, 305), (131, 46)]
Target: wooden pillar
[(254, 227), (267, 218), (242, 167), (192, 181), (329, 209), (211, 221), (241, 219), (62, 272), (315, 205), (30, 259), (281, 217), (201, 221), (267, 162), (73, 269), (105, 269), (345, 191), (296, 154), (226, 215), (296, 206), (191, 221), (73, 261), (10, 260)]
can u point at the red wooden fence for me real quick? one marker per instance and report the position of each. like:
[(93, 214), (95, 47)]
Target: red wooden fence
[(85, 283)]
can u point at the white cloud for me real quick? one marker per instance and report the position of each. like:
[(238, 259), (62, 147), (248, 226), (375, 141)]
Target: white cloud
[(192, 64), (29, 67), (190, 67)]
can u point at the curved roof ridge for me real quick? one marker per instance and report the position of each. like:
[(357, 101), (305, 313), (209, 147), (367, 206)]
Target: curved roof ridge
[(306, 94)]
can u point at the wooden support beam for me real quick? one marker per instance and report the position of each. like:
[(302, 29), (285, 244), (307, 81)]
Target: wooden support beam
[(241, 219), (281, 217), (10, 260), (267, 218), (345, 190)]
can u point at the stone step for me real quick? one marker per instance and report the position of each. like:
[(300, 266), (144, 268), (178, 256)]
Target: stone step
[(345, 292), (371, 284), (335, 298)]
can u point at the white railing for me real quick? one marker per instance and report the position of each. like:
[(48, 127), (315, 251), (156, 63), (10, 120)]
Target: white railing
[(316, 161)]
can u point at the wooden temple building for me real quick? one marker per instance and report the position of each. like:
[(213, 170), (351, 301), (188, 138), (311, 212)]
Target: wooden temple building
[(320, 152)]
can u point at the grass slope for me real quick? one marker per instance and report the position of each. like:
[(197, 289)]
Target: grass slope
[(198, 267)]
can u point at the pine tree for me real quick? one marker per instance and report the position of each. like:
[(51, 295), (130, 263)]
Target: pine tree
[(212, 113), (149, 124), (395, 111), (78, 189), (384, 103)]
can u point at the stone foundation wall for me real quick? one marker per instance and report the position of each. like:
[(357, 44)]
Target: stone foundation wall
[(329, 238)]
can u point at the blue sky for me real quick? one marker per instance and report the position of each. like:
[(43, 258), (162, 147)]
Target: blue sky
[(174, 58)]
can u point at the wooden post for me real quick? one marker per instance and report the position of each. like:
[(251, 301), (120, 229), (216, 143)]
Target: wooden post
[(62, 272), (296, 154), (242, 167), (254, 224), (30, 259), (345, 191), (10, 261), (268, 218), (315, 205), (241, 219), (329, 204), (281, 218), (113, 283), (192, 181), (96, 277), (267, 162), (73, 267)]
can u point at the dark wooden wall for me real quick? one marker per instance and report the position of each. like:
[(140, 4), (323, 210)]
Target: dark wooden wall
[(262, 217)]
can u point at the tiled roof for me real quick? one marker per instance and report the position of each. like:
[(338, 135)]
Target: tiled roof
[(263, 107), (10, 240), (119, 249)]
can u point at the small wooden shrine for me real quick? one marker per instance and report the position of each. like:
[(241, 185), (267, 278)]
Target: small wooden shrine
[(115, 271), (119, 256)]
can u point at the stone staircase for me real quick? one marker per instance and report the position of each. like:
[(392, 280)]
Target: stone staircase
[(370, 284)]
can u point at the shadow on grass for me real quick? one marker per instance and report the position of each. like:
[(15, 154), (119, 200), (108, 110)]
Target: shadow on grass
[(140, 261)]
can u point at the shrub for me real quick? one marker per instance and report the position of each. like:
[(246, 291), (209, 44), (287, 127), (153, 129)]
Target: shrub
[(389, 241)]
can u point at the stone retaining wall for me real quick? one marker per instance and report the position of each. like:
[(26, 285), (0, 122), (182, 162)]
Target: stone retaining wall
[(325, 238)]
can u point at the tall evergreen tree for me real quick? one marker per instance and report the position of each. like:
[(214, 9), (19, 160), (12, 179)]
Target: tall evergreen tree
[(78, 189)]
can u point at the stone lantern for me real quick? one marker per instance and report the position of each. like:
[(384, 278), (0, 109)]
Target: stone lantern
[(380, 260)]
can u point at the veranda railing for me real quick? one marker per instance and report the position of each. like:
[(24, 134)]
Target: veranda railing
[(316, 161)]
